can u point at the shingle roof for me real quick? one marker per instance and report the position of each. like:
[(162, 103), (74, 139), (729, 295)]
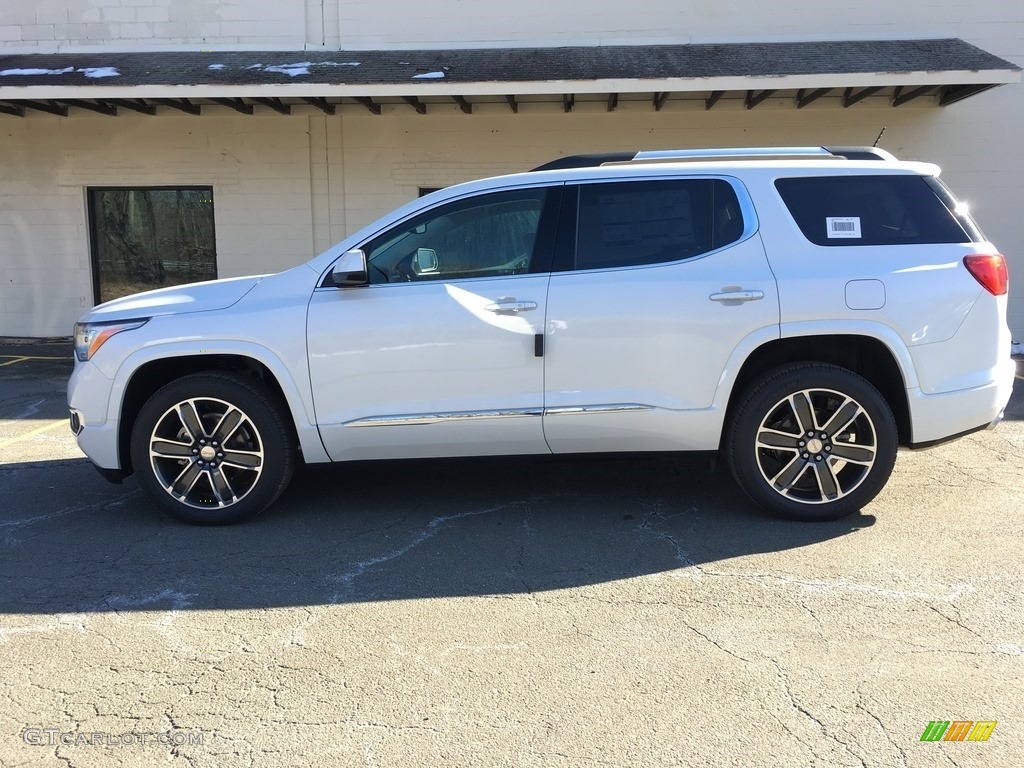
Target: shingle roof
[(415, 68)]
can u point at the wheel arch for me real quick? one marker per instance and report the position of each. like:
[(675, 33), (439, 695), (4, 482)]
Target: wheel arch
[(152, 374), (866, 356)]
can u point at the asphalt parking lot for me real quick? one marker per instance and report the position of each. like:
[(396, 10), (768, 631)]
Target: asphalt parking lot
[(514, 612)]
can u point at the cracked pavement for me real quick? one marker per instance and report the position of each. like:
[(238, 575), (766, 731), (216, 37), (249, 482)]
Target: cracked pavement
[(599, 612)]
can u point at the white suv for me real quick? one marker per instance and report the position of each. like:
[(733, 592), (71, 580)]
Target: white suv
[(802, 310)]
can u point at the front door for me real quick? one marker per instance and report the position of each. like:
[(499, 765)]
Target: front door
[(438, 355)]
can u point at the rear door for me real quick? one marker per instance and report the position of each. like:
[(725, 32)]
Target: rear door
[(658, 282)]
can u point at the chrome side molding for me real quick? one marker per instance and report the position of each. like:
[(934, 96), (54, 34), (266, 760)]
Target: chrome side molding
[(415, 419), (610, 408)]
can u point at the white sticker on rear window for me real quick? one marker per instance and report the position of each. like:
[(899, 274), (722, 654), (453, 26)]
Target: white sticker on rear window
[(843, 226)]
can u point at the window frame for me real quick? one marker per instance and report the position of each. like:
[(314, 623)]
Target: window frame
[(94, 254)]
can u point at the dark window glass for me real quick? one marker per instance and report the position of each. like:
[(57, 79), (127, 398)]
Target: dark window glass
[(150, 238), (869, 210), (959, 211), (483, 236), (626, 224)]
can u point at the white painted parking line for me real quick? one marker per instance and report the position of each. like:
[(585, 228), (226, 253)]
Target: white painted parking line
[(32, 433), (12, 359)]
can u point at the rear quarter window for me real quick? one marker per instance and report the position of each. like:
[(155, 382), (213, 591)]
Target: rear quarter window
[(870, 210)]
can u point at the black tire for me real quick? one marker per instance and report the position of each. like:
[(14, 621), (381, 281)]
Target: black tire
[(222, 452), (811, 441)]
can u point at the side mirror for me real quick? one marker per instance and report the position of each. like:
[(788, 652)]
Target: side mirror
[(424, 261), (350, 269)]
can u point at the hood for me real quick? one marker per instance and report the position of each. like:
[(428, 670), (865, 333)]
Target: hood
[(194, 297)]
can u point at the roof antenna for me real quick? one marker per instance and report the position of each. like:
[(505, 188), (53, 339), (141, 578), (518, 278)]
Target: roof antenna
[(879, 137)]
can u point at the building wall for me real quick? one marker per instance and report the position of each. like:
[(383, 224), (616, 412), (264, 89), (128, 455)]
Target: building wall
[(286, 188), (48, 25)]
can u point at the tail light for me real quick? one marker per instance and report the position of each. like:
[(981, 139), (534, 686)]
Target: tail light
[(990, 271)]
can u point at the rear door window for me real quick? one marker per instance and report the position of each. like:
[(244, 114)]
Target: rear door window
[(624, 224), (870, 210)]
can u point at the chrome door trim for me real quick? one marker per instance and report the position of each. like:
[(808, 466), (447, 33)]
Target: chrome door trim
[(415, 419), (610, 408)]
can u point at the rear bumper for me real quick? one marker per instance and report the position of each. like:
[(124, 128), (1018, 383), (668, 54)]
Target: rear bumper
[(938, 418)]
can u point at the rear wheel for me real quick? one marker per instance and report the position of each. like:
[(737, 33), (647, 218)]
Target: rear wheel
[(212, 449), (812, 441)]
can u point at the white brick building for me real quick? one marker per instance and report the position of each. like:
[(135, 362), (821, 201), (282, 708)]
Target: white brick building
[(308, 118)]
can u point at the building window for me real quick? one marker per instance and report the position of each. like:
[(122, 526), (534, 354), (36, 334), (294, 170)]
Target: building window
[(424, 191), (151, 237)]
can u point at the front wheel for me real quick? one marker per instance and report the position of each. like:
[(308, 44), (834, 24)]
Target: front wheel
[(812, 441), (212, 449)]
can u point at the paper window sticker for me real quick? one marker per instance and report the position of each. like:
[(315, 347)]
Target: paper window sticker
[(843, 226)]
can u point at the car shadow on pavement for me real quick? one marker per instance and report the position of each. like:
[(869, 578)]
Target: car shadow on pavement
[(380, 531)]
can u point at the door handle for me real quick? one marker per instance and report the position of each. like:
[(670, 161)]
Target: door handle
[(510, 306), (737, 296)]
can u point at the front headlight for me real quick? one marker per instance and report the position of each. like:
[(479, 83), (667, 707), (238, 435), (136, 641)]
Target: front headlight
[(89, 337)]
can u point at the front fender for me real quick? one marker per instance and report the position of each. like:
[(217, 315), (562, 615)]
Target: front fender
[(299, 406)]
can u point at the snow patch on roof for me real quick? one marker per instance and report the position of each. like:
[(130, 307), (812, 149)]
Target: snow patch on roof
[(22, 72), (99, 71), (216, 66), (338, 63), (429, 76), (292, 70), (87, 71)]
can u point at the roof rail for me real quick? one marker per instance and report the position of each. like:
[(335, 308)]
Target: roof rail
[(675, 155), (862, 153)]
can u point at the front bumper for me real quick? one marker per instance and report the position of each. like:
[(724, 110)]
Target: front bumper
[(88, 401)]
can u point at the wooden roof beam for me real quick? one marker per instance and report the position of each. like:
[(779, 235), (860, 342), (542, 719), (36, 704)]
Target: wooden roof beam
[(51, 107), (369, 103), (236, 104), (852, 96), (136, 105), (275, 104), (93, 106), (322, 104), (416, 104), (183, 105), (754, 98), (803, 97)]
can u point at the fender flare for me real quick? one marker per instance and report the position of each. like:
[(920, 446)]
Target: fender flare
[(305, 425)]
